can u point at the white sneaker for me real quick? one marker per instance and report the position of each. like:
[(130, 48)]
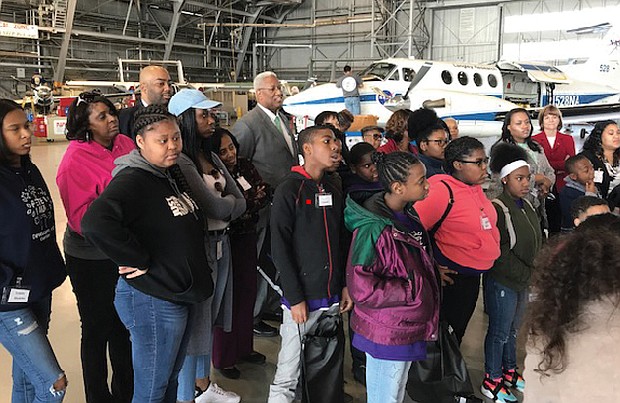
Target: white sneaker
[(215, 394)]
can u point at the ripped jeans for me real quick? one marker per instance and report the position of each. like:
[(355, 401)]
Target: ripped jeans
[(505, 307), (23, 333)]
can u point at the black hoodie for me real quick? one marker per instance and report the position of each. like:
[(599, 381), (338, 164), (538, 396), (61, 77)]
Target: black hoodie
[(28, 247), (143, 220)]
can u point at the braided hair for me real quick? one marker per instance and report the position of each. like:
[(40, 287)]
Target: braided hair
[(458, 149), (393, 167), (146, 117)]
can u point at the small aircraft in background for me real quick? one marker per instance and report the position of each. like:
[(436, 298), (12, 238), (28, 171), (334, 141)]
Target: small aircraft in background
[(477, 95)]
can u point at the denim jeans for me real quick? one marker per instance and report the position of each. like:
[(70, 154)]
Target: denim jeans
[(158, 334), (194, 367), (353, 105), (505, 308), (23, 333), (386, 380)]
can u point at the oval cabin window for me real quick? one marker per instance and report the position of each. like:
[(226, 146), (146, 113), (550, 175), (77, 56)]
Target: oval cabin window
[(463, 78), (446, 77)]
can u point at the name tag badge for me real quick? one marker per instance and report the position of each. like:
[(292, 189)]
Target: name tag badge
[(324, 200), (245, 185), (15, 295), (485, 223), (598, 176), (218, 250)]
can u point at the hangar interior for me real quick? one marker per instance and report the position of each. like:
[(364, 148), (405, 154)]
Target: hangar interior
[(229, 40), (223, 41)]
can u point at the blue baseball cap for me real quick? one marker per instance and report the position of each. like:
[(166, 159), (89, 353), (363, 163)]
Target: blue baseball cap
[(190, 98)]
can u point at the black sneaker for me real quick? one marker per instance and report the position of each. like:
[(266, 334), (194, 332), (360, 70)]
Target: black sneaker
[(261, 329)]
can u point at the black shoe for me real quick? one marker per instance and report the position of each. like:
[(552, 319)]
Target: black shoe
[(359, 374), (261, 329), (273, 316), (255, 358), (230, 373)]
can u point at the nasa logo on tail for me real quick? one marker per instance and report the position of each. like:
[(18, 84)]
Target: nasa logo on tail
[(382, 99)]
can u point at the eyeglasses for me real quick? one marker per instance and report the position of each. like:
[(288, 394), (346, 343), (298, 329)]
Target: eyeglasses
[(272, 89), (87, 97), (480, 163), (440, 142), (374, 136)]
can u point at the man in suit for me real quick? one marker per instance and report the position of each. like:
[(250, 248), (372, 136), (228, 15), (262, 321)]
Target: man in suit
[(267, 138), (155, 89)]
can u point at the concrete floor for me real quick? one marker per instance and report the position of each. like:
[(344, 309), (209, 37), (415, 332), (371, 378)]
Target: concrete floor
[(254, 382)]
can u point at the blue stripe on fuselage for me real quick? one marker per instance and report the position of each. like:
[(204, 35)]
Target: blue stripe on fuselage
[(363, 98)]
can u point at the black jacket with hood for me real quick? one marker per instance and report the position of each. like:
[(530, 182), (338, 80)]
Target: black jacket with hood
[(143, 220), (307, 241), (28, 248)]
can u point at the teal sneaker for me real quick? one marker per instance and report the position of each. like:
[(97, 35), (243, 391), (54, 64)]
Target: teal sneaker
[(497, 391), (514, 380)]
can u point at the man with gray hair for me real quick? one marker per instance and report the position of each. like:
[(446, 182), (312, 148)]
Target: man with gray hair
[(267, 138)]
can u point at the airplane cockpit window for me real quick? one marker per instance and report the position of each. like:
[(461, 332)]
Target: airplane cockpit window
[(395, 76), (446, 77), (377, 71), (408, 74), (492, 80), (477, 80), (462, 77)]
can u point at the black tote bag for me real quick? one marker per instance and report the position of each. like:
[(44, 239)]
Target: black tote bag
[(322, 362), (443, 377)]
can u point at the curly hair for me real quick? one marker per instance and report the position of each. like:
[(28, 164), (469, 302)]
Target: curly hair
[(506, 136), (7, 106), (566, 279), (503, 154), (393, 167), (79, 113), (594, 142), (397, 124), (458, 149)]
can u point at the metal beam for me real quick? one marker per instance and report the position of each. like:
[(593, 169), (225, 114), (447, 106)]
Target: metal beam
[(228, 10), (247, 36), (177, 5), (59, 74)]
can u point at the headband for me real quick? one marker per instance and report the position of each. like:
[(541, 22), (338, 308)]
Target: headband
[(509, 168)]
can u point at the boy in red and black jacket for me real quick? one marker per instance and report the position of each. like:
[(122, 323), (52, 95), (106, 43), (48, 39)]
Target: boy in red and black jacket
[(307, 249)]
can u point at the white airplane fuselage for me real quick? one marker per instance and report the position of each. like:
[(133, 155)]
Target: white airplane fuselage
[(473, 94)]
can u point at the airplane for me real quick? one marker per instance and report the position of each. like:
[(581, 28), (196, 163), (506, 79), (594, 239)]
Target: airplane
[(477, 95)]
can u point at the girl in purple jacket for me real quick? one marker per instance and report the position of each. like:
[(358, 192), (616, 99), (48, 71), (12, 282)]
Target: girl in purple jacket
[(391, 277)]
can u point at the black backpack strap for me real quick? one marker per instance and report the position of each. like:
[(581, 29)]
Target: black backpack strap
[(432, 231)]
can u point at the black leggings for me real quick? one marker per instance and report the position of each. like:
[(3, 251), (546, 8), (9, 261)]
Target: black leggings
[(459, 302)]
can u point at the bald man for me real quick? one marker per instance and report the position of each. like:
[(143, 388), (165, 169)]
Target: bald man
[(453, 125), (155, 89)]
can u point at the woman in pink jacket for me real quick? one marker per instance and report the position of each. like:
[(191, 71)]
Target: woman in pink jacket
[(85, 170), (463, 224)]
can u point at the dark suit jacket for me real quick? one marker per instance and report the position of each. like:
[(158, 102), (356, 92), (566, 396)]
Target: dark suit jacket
[(126, 120), (263, 144)]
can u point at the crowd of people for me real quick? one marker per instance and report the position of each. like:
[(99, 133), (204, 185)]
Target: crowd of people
[(169, 215)]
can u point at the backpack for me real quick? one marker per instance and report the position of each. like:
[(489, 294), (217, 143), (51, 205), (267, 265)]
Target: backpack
[(432, 231), (509, 225)]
